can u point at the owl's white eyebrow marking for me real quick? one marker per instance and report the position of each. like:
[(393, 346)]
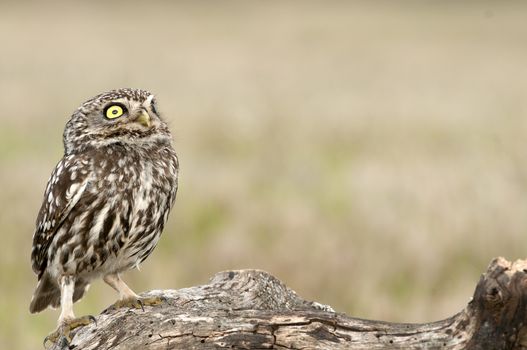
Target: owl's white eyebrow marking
[(149, 99)]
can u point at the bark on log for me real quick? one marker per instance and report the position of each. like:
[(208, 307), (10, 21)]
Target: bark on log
[(251, 309)]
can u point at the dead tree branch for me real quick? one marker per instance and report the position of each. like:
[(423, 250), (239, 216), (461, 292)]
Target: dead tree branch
[(250, 309)]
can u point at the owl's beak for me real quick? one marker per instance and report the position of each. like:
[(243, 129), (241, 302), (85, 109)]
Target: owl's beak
[(143, 118)]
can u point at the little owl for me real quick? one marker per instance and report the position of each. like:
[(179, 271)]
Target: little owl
[(105, 203)]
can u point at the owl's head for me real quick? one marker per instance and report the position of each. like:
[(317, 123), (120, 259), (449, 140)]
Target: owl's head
[(126, 116)]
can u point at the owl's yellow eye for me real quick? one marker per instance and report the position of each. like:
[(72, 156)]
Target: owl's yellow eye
[(114, 111)]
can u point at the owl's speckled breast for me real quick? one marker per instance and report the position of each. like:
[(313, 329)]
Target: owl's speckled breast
[(122, 212), (141, 185)]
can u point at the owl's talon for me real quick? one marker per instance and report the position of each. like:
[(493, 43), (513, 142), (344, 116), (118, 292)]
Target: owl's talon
[(140, 302), (153, 301), (92, 319), (63, 332), (55, 338), (137, 303), (52, 338)]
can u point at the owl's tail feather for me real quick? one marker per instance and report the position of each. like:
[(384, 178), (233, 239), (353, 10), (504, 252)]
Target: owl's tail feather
[(47, 293)]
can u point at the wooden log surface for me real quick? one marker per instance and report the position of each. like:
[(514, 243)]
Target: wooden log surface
[(250, 309)]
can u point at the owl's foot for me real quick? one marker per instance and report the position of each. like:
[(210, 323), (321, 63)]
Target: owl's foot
[(63, 333), (136, 303)]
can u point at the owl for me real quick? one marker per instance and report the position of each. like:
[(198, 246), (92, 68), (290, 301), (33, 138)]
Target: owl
[(105, 204)]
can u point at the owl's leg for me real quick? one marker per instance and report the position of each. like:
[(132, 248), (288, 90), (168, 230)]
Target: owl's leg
[(67, 321), (127, 297)]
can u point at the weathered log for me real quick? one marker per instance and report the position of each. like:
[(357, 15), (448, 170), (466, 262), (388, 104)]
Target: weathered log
[(251, 309)]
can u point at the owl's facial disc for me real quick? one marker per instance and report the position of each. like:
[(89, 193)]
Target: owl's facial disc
[(129, 114), (124, 116)]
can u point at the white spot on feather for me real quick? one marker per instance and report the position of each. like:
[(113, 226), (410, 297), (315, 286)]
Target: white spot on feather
[(59, 169), (96, 229), (72, 190)]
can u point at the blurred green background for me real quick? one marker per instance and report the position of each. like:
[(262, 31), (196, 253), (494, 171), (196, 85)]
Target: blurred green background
[(369, 154)]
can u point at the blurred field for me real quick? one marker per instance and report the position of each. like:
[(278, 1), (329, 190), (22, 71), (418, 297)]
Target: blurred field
[(371, 156)]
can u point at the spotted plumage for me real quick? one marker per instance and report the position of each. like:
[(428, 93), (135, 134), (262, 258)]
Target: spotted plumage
[(107, 199)]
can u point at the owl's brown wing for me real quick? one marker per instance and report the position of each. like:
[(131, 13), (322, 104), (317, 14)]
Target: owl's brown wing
[(65, 187)]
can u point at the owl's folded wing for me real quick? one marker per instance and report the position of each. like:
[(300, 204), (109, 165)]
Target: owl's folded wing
[(65, 187)]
